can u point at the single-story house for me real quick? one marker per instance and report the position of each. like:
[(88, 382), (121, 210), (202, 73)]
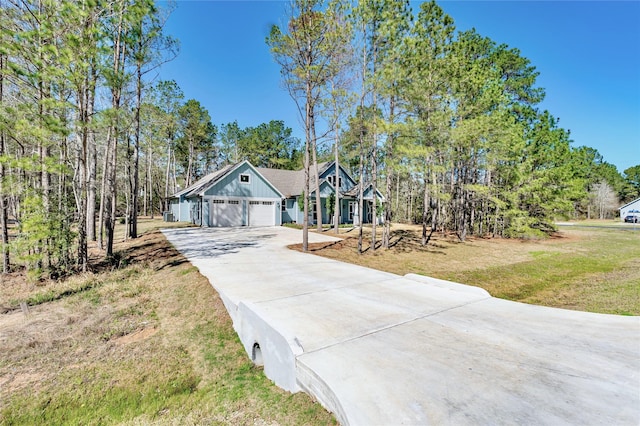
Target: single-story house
[(242, 195), (632, 208)]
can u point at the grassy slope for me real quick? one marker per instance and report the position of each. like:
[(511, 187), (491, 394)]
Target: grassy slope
[(150, 342), (599, 271), (590, 269)]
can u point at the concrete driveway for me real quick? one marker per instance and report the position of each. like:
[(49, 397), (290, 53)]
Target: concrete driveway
[(381, 349)]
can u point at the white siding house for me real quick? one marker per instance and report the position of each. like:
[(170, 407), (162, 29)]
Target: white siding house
[(630, 208)]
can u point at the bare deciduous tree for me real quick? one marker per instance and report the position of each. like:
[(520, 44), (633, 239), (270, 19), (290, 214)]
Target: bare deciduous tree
[(603, 199)]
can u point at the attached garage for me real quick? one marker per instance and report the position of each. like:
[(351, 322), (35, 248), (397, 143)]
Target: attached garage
[(242, 212), (236, 195)]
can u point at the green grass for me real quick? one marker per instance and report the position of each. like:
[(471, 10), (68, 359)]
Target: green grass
[(592, 269), (108, 395), (150, 343), (598, 272)]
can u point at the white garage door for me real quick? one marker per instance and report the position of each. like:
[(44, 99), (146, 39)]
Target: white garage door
[(262, 213), (226, 213)]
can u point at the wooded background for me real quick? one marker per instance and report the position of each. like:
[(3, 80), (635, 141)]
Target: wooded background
[(445, 124)]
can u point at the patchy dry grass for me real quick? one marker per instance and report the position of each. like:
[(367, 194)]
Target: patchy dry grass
[(590, 269), (148, 342)]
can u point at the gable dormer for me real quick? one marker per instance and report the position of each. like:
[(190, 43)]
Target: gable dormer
[(344, 179)]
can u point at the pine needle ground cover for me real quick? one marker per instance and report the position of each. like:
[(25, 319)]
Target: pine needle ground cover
[(588, 269), (145, 341)]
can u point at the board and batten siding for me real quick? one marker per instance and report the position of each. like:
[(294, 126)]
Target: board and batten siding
[(230, 185), (174, 208), (183, 211), (290, 213)]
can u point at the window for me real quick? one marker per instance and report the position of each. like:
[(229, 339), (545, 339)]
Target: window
[(254, 203), (332, 180), (352, 208), (284, 205), (218, 201), (267, 203), (233, 202), (244, 178)]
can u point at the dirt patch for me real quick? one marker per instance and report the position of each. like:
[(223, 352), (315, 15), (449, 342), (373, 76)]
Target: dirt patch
[(136, 336), (15, 286), (444, 252), (21, 380)]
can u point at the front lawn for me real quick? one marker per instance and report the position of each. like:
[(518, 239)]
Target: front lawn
[(589, 269)]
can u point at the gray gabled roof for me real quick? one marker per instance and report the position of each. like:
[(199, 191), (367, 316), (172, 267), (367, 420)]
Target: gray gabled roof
[(290, 183), (203, 182), (355, 191)]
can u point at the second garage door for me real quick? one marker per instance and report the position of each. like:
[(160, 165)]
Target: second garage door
[(262, 213)]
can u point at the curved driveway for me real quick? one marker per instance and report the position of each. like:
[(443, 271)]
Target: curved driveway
[(378, 348)]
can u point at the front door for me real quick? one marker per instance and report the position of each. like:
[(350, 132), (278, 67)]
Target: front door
[(353, 212)]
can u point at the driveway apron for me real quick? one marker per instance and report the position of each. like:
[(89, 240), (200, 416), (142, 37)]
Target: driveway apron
[(382, 349)]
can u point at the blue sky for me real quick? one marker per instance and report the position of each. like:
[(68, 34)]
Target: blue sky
[(587, 53)]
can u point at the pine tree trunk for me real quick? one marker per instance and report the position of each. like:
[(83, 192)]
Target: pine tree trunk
[(133, 226), (374, 186), (361, 193), (314, 150), (374, 154), (148, 199), (336, 211), (81, 136), (189, 177), (426, 201), (305, 192), (112, 144), (45, 176), (166, 181), (4, 217), (434, 203), (110, 210), (92, 156), (103, 190), (92, 153), (386, 230), (361, 140)]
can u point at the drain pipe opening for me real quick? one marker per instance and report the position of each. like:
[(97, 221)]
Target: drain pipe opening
[(256, 354)]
